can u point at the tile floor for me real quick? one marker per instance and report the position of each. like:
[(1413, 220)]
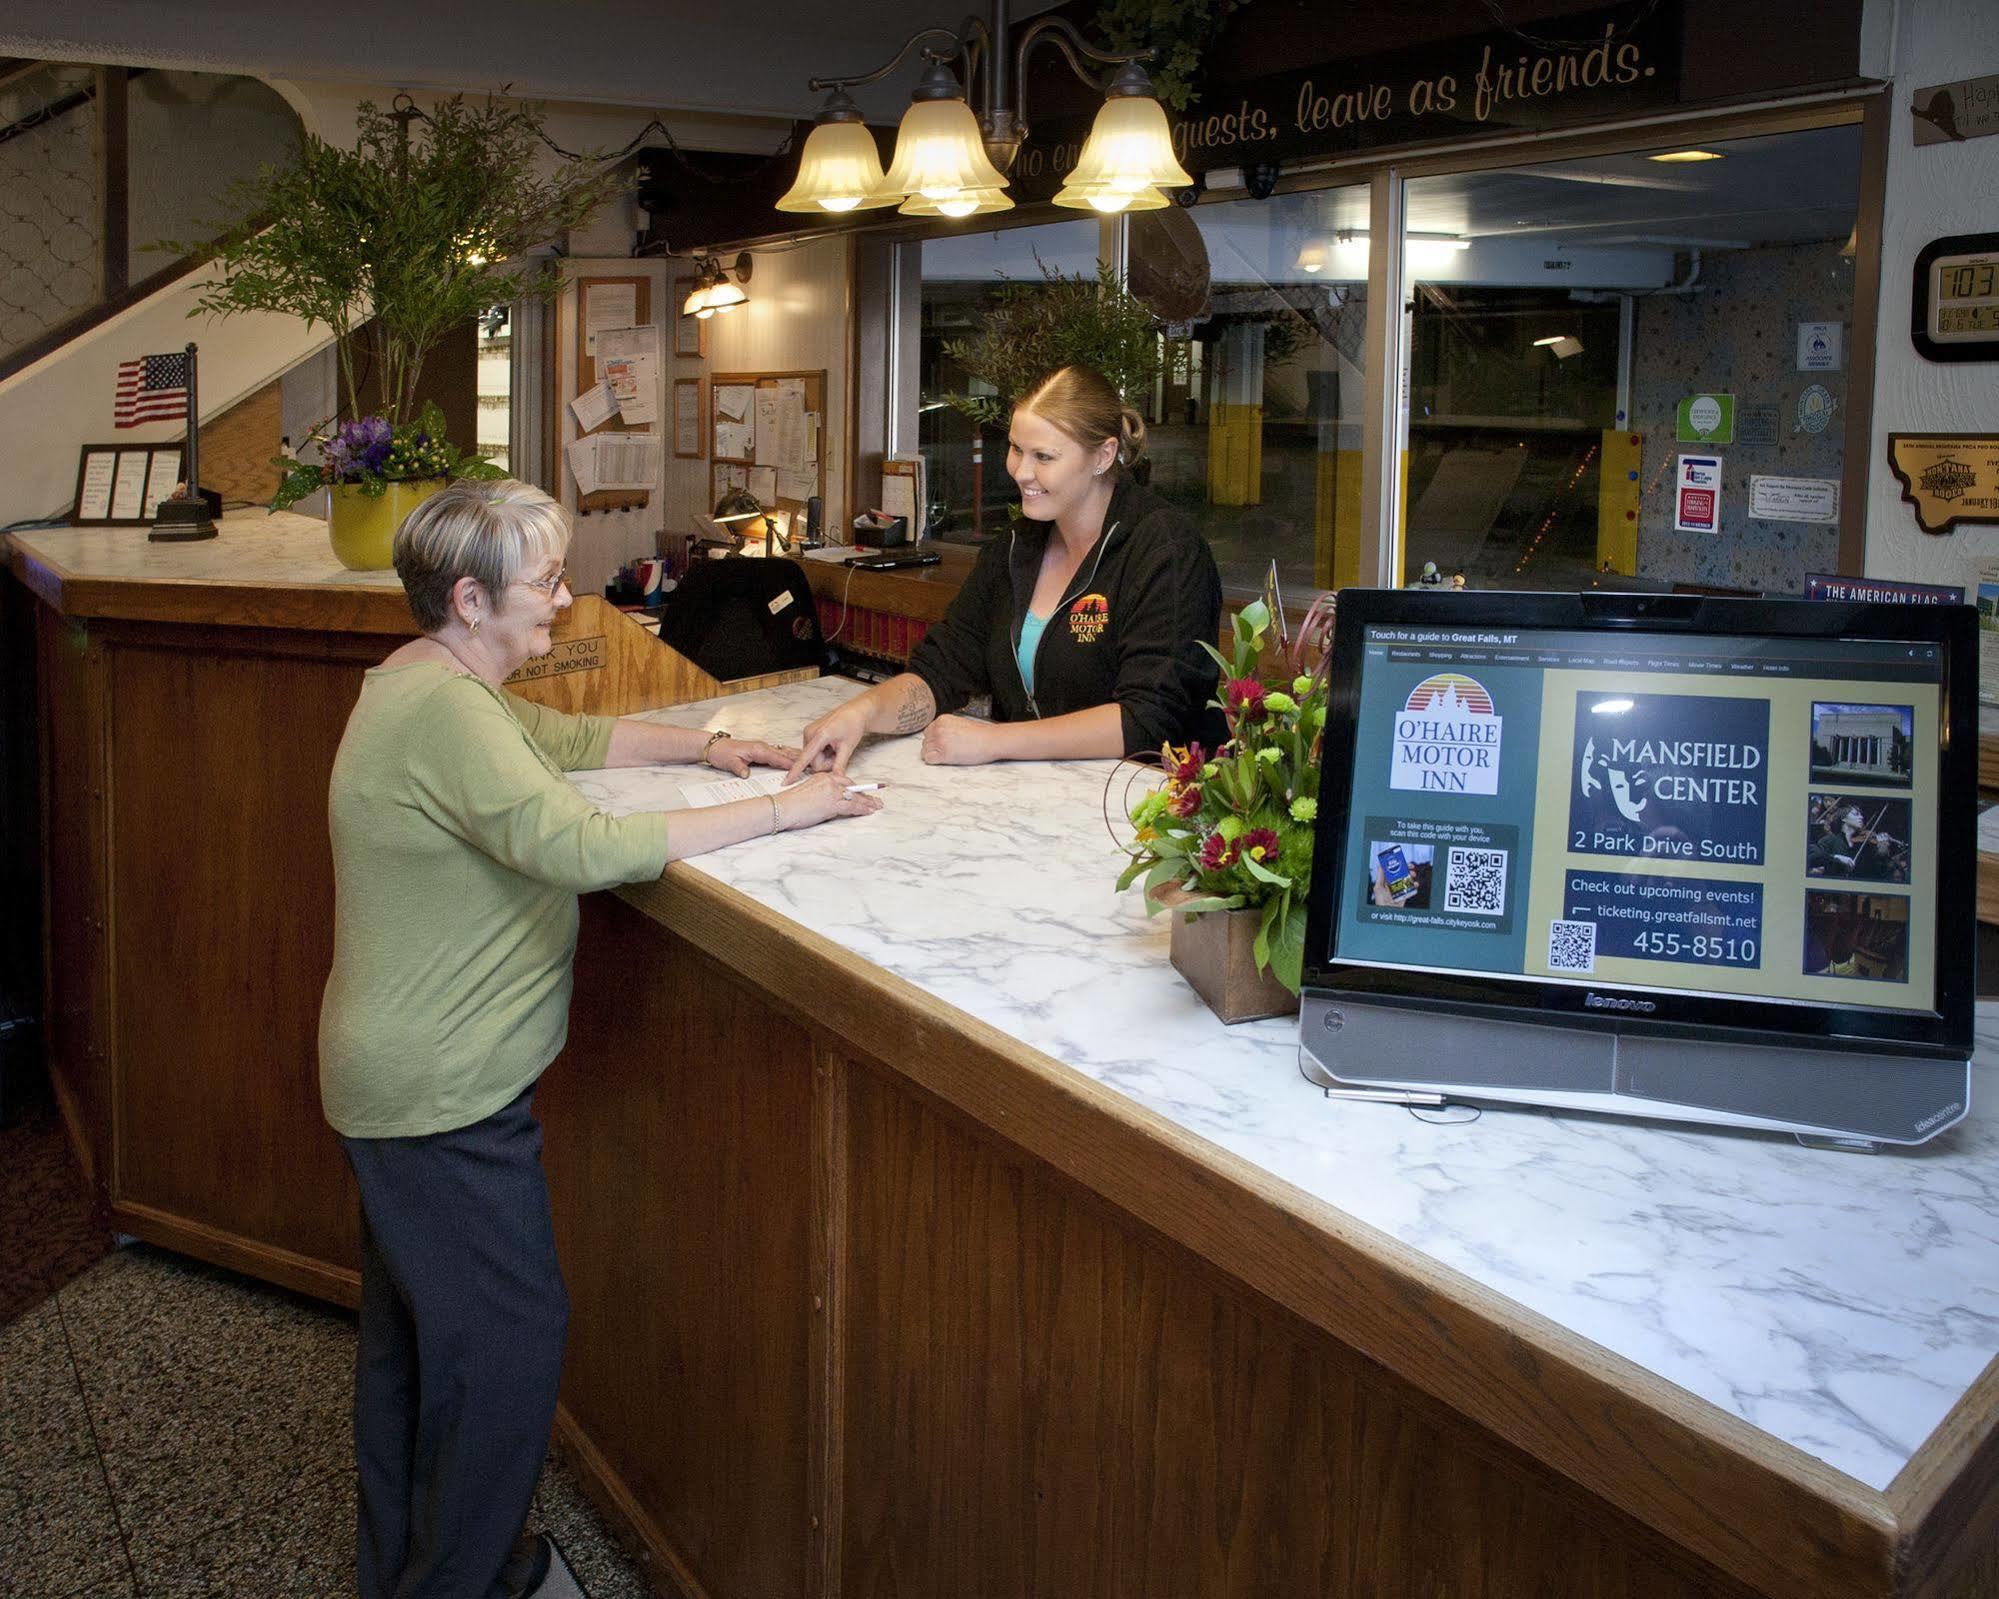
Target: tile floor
[(169, 1430)]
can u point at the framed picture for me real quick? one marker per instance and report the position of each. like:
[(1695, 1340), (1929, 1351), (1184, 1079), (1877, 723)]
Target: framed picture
[(690, 333), (121, 485), (687, 419)]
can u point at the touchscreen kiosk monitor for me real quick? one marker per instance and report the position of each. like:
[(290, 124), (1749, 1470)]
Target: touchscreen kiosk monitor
[(1693, 858)]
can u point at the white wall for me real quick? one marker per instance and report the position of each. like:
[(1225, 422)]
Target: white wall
[(797, 320), (1937, 189), (51, 409)]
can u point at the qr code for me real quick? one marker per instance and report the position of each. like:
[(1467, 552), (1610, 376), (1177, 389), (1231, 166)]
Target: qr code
[(1476, 881), (1572, 946)]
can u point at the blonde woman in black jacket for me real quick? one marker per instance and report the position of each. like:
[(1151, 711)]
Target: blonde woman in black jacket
[(1083, 624)]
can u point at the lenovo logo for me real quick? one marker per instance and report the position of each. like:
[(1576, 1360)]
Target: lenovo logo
[(1610, 1002)]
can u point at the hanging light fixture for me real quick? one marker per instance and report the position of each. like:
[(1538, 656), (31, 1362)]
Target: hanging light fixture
[(950, 162), (1130, 147), (839, 169)]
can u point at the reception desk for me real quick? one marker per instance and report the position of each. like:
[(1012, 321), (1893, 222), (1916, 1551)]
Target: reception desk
[(926, 1236)]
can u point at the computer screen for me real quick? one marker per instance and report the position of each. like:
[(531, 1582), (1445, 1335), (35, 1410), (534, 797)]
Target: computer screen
[(1653, 810)]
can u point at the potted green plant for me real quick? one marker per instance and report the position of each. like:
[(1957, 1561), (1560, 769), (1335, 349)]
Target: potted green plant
[(1225, 843), (394, 245), (1032, 329)]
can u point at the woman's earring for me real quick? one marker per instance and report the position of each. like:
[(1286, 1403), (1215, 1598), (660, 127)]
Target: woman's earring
[(473, 625)]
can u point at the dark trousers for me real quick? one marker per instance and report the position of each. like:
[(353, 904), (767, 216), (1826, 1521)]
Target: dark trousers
[(462, 1319)]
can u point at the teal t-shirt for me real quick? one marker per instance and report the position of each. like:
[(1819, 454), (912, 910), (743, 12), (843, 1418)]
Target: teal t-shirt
[(1030, 640)]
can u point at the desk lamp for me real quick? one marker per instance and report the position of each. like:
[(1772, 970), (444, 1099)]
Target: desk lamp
[(739, 507)]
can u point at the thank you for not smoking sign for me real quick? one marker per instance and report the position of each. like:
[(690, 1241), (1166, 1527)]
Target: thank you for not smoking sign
[(1670, 777)]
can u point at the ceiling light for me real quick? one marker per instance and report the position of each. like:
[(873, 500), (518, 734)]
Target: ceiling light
[(1130, 147), (948, 162), (1678, 156), (1560, 345), (839, 169), (1312, 258)]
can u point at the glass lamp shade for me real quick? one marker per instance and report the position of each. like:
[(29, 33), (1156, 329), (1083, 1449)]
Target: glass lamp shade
[(838, 170), (691, 306), (723, 296), (1079, 198), (968, 203), (939, 153), (1129, 148)]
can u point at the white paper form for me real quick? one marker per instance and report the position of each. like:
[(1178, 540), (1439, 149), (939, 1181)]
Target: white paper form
[(790, 409), (735, 432), (628, 358), (766, 427), (128, 489), (93, 501), (594, 407), (612, 306), (162, 477), (799, 485), (763, 485), (700, 796)]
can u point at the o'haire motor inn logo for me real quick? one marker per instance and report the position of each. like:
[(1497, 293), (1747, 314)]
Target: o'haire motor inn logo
[(1088, 618), (1447, 738)]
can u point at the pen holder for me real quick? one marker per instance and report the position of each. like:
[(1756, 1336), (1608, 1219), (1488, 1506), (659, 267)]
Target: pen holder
[(880, 532)]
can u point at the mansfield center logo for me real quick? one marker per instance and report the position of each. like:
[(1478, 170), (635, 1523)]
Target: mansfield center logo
[(1447, 738)]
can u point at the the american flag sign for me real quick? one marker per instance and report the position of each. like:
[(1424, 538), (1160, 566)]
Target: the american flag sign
[(152, 389)]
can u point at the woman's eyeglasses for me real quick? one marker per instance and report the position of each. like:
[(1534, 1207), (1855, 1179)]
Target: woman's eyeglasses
[(547, 585)]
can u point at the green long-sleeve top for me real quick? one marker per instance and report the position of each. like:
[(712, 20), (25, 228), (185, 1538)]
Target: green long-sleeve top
[(458, 853)]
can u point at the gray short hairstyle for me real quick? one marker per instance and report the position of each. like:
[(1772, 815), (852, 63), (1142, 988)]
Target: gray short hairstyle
[(490, 529)]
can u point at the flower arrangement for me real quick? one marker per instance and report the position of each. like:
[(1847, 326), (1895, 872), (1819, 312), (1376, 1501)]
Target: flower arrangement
[(1235, 828), (374, 452)]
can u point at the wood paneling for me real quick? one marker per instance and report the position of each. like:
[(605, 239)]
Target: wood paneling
[(679, 1135), (221, 886), (237, 446), (1043, 1398)]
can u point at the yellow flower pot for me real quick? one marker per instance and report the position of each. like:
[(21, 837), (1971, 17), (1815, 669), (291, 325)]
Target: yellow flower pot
[(363, 527)]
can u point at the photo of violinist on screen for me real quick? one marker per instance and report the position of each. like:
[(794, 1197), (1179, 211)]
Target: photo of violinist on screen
[(1857, 836)]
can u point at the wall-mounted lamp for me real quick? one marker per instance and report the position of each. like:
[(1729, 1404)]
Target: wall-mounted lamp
[(716, 290), (950, 162)]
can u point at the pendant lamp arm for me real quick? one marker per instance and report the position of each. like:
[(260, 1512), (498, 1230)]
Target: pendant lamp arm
[(1075, 48), (818, 85)]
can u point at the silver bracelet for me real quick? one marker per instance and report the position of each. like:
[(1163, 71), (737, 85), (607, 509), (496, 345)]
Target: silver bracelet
[(773, 814)]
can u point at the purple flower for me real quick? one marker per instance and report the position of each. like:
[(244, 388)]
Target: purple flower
[(358, 450)]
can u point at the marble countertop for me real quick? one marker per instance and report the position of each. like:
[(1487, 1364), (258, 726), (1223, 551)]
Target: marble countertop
[(1840, 1303), (253, 547)]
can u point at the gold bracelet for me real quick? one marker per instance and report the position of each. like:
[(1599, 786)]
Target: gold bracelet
[(714, 738), (773, 815)]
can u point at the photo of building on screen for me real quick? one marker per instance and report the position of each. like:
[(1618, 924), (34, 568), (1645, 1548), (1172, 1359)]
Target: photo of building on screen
[(1857, 935), (1863, 744)]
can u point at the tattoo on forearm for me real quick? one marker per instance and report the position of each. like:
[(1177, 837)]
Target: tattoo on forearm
[(917, 707)]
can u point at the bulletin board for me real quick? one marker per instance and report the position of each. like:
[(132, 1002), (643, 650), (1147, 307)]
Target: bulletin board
[(745, 449), (597, 290)]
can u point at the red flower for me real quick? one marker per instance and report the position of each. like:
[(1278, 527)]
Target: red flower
[(1244, 698), (1185, 766), (1217, 853), (1260, 844), (1186, 801)]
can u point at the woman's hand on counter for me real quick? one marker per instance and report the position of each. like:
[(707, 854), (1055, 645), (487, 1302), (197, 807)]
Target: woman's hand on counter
[(903, 704), (738, 755), (959, 741), (820, 798)]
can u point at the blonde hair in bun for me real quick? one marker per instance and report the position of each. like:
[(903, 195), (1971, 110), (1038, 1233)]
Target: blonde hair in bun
[(1086, 405)]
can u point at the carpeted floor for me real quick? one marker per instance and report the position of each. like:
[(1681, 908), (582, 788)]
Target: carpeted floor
[(49, 1229), (169, 1430)]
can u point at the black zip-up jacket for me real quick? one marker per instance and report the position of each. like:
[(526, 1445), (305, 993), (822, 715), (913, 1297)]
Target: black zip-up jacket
[(1126, 630)]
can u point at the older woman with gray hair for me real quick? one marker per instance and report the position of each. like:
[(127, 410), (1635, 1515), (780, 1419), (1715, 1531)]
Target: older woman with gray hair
[(458, 853)]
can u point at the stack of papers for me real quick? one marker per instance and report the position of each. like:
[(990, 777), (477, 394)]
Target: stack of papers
[(616, 461)]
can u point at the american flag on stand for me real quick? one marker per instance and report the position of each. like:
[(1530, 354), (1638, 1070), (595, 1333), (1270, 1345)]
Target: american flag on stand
[(152, 389)]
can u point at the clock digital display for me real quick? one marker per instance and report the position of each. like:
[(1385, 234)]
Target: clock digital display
[(1956, 309)]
